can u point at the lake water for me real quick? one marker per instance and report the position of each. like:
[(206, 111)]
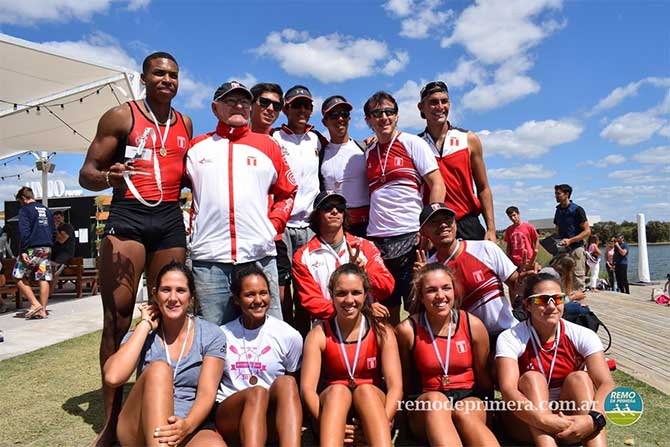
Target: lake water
[(659, 262)]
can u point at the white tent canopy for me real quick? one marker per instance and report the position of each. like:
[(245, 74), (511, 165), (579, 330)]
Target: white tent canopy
[(72, 94)]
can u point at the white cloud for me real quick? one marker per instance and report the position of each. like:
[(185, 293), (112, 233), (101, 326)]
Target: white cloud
[(247, 79), (468, 71), (407, 97), (617, 95), (610, 160), (194, 94), (329, 58), (399, 8), (427, 19), (29, 12), (97, 47), (496, 30), (641, 175), (657, 156), (530, 140), (527, 171), (665, 131), (633, 128), (508, 85), (396, 64)]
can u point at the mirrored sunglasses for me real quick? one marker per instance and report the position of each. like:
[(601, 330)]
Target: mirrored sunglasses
[(328, 207), (543, 299)]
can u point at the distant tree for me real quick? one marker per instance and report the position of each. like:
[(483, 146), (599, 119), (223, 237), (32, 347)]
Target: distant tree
[(658, 231), (605, 230)]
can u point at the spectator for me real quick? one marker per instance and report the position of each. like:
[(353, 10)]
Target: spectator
[(572, 228), (36, 227), (521, 238), (621, 264), (63, 249), (609, 263), (593, 261)]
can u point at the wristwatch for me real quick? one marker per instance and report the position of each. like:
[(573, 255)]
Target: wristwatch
[(598, 420)]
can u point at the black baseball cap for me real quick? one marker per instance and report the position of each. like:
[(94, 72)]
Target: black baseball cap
[(431, 209), (334, 101), (434, 87), (323, 195), (295, 92), (229, 87)]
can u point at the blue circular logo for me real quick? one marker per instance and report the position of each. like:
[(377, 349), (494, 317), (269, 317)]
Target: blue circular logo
[(624, 406)]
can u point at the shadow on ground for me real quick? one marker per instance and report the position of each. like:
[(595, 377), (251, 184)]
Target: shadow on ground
[(90, 408)]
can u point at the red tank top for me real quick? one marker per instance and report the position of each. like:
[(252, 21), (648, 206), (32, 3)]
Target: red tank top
[(456, 170), (368, 367), (461, 372), (171, 166)]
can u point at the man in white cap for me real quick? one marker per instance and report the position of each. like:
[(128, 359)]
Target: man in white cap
[(232, 171)]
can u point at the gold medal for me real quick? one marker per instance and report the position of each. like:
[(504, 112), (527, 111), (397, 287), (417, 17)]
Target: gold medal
[(163, 152), (253, 380), (445, 380)]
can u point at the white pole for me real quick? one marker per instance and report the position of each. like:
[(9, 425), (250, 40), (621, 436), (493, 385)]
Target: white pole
[(643, 259), (45, 185)]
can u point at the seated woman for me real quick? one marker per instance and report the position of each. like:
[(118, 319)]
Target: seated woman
[(350, 353), (447, 349), (541, 361), (258, 397), (179, 362)]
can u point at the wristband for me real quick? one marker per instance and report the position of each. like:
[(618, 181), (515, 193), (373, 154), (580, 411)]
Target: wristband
[(151, 327), (107, 179)]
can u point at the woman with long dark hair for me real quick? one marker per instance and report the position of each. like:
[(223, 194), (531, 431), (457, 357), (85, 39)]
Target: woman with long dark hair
[(350, 354)]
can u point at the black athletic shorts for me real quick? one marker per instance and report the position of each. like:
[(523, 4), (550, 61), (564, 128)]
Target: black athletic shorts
[(469, 228), (454, 395), (157, 228)]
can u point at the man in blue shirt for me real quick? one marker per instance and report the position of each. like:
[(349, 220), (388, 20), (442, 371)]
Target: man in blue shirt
[(572, 228), (37, 231), (621, 264)]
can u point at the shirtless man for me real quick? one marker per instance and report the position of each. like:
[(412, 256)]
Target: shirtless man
[(141, 233)]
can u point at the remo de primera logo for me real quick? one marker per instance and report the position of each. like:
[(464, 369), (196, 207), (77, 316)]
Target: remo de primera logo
[(624, 406)]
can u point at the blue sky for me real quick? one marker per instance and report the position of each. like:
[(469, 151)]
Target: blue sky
[(559, 92)]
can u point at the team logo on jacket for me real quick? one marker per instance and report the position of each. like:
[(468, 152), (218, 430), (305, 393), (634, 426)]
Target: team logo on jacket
[(453, 141), (371, 362), (478, 275), (181, 142), (397, 161), (290, 177), (461, 347), (251, 161)]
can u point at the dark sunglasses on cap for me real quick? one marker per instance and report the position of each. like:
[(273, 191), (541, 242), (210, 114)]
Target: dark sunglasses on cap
[(328, 207), (339, 114), (543, 299), (264, 102), (377, 113)]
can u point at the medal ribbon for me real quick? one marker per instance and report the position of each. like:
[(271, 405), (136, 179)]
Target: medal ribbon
[(181, 353), (444, 365), (351, 370), (388, 151), (535, 341), (261, 336)]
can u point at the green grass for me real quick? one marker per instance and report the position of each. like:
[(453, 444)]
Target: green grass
[(51, 397)]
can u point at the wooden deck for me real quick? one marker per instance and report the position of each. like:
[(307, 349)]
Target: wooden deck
[(640, 333)]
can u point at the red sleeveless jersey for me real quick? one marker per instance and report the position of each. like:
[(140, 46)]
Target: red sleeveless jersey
[(368, 367), (171, 166), (456, 170), (461, 372)]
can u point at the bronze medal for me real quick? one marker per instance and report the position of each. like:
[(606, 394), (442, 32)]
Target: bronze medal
[(382, 179), (253, 380), (163, 152), (352, 383), (445, 380)]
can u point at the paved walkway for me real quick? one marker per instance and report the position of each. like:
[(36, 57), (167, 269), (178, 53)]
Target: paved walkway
[(68, 318)]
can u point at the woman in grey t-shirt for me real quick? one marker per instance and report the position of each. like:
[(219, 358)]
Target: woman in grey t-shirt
[(179, 361)]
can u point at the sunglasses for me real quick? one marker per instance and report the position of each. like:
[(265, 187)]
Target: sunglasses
[(328, 207), (265, 102), (301, 105), (543, 299), (377, 113), (339, 114)]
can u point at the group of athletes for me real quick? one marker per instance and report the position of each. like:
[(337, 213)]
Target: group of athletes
[(303, 250)]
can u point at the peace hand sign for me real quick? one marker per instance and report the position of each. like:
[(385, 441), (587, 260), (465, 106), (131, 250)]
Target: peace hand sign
[(354, 252), (420, 260)]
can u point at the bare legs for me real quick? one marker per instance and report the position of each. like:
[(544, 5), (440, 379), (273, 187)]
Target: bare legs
[(121, 266), (428, 424)]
